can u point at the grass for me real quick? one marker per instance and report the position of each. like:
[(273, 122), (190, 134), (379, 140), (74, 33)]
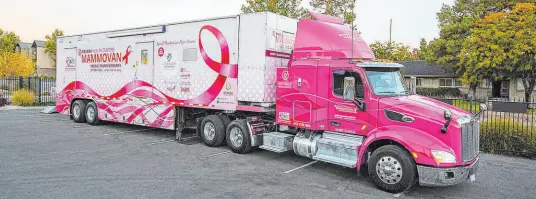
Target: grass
[(466, 105)]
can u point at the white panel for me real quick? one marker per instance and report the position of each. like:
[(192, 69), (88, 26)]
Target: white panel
[(251, 63)]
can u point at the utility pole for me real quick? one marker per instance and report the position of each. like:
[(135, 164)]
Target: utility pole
[(390, 30)]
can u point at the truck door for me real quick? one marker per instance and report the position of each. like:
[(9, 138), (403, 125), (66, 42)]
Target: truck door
[(66, 74), (346, 117)]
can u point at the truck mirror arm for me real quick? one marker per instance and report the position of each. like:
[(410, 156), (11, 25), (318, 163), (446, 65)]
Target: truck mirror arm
[(360, 104)]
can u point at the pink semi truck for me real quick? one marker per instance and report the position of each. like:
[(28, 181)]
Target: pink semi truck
[(265, 81)]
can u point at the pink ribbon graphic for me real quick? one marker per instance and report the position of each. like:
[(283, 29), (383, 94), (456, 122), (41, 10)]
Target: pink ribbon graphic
[(223, 68), (127, 53)]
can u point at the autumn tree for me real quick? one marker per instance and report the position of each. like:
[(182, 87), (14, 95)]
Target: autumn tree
[(503, 44), (289, 8), (339, 8), (8, 40), (456, 23), (392, 51), (14, 64), (50, 44)]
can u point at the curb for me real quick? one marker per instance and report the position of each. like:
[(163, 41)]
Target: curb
[(7, 108)]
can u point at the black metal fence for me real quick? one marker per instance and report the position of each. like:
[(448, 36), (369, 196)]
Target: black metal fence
[(508, 126), (29, 91)]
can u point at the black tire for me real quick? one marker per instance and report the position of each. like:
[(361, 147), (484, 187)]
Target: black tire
[(226, 121), (81, 106), (405, 163), (219, 131), (92, 119), (245, 144)]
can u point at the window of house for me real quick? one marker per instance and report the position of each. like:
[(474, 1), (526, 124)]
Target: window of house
[(189, 54), (419, 82), (445, 82), (458, 83), (338, 84)]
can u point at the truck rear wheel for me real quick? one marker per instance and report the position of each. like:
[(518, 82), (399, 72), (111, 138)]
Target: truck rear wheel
[(92, 114), (78, 111), (212, 131), (238, 138), (392, 169)]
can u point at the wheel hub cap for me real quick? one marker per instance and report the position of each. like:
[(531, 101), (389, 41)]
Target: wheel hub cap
[(236, 137), (90, 114), (209, 130), (76, 111), (389, 170)]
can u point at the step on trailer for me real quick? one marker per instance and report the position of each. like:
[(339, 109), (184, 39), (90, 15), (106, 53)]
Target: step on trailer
[(261, 80)]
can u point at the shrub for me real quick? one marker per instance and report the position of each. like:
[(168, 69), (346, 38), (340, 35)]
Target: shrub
[(500, 136), (3, 102), (23, 97), (438, 92)]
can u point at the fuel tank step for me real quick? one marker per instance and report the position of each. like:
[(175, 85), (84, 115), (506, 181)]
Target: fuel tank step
[(277, 142), (340, 149)]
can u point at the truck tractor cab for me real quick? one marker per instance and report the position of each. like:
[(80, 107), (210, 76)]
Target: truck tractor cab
[(336, 103)]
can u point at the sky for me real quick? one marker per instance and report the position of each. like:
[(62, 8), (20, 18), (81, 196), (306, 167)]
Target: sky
[(33, 19)]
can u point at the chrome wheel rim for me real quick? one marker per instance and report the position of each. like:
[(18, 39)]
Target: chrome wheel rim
[(90, 114), (76, 111), (236, 137), (209, 131), (389, 170)]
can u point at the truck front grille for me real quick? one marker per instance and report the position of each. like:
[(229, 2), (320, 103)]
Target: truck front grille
[(470, 140)]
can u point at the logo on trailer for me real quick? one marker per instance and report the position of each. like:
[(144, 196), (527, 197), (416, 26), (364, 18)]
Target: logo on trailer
[(169, 64), (160, 51), (285, 75), (228, 86), (70, 62)]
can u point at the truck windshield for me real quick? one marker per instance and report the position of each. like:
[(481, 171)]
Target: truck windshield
[(386, 81)]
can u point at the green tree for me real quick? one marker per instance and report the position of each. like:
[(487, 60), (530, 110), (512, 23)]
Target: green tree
[(422, 52), (50, 44), (456, 23), (392, 51), (8, 40), (503, 44), (339, 8), (289, 8)]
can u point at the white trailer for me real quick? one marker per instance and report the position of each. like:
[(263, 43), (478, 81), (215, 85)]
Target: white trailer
[(140, 75)]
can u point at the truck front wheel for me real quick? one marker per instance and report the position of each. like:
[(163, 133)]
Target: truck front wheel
[(392, 169), (92, 114), (212, 131)]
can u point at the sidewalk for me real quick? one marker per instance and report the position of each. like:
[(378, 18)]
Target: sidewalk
[(10, 107)]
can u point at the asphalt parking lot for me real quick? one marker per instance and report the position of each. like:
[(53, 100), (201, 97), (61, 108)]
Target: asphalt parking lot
[(50, 156)]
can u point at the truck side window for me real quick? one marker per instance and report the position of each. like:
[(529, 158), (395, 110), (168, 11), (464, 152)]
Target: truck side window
[(338, 81)]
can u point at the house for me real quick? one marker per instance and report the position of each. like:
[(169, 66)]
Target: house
[(44, 64), (432, 76), (24, 47)]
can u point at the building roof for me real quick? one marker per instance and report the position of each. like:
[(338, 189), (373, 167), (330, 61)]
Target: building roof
[(24, 45), (38, 43), (420, 68)]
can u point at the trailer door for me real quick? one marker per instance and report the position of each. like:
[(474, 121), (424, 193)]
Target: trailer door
[(144, 55), (65, 75)]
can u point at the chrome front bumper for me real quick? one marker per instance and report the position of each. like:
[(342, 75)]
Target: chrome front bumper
[(440, 177)]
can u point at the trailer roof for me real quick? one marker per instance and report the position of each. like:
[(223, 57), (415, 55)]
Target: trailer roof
[(151, 26)]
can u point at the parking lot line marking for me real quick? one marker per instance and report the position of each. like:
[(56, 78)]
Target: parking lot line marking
[(161, 142), (139, 130), (300, 167), (216, 154)]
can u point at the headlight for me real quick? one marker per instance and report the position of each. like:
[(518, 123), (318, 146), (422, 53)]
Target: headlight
[(443, 157)]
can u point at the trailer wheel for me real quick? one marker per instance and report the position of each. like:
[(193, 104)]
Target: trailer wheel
[(392, 169), (212, 131), (238, 138), (78, 110), (92, 114)]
